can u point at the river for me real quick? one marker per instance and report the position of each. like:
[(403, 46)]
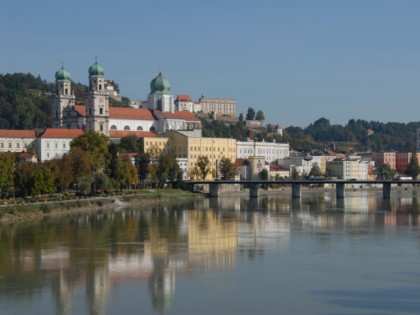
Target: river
[(231, 255)]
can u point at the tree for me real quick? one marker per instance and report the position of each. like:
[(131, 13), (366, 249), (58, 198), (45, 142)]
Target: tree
[(250, 115), (142, 163), (24, 178), (7, 169), (95, 145), (386, 173), (130, 144), (263, 175), (227, 169), (43, 181), (203, 166), (413, 167), (260, 115), (315, 170)]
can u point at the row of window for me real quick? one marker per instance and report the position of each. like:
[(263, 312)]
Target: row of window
[(10, 145), (55, 145)]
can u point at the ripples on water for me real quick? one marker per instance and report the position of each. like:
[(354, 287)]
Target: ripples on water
[(231, 255)]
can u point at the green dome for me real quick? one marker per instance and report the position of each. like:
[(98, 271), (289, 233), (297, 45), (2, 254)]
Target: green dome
[(62, 75), (96, 69), (160, 85)]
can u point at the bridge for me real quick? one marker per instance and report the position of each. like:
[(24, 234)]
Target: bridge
[(254, 185)]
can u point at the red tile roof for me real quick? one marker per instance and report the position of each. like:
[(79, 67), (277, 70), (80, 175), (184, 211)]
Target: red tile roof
[(62, 133), (122, 113), (125, 133), (6, 133), (81, 110), (239, 162), (185, 115), (131, 113), (277, 168), (183, 98)]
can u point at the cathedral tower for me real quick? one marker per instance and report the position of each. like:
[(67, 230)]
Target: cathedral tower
[(63, 97), (97, 103), (160, 97)]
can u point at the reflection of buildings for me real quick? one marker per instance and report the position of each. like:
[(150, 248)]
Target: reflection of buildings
[(156, 246), (212, 240)]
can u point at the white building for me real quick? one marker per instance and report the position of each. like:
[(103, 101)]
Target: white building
[(54, 143), (222, 106), (16, 140), (271, 151), (300, 164), (350, 169)]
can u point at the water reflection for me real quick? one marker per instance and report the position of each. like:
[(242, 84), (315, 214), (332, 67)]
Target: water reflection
[(95, 252)]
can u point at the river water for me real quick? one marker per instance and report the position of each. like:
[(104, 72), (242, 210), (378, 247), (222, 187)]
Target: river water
[(231, 255)]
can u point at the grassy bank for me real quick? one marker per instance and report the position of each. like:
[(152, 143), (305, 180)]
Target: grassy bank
[(143, 197)]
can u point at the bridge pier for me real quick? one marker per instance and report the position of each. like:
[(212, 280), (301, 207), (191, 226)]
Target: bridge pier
[(214, 190), (296, 188), (340, 191), (386, 190), (253, 191)]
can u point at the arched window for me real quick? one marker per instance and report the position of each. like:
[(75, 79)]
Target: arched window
[(113, 127), (126, 128), (139, 128), (101, 111), (101, 127), (152, 129), (66, 91), (100, 87)]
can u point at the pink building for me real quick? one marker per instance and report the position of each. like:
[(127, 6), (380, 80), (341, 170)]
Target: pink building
[(402, 161), (381, 158)]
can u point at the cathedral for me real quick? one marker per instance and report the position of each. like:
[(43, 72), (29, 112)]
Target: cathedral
[(158, 116)]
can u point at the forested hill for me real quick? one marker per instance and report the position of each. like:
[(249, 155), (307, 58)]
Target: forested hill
[(26, 100), (23, 102), (356, 135)]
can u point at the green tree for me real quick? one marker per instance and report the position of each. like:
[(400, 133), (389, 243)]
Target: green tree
[(23, 180), (7, 169), (315, 170), (250, 115), (130, 144), (413, 167), (203, 166), (95, 145), (143, 161), (386, 173), (260, 115), (263, 175), (43, 181), (227, 169)]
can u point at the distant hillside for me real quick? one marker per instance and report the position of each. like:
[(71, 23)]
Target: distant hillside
[(26, 100)]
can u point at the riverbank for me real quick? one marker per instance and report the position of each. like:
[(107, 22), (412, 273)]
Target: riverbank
[(144, 198)]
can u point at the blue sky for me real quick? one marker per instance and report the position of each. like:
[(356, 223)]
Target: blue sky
[(296, 60)]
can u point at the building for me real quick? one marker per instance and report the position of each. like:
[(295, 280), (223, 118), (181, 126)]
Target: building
[(381, 158), (301, 164), (54, 143), (17, 140), (184, 103), (277, 171), (402, 160), (270, 150), (220, 106), (350, 169), (157, 114), (191, 145)]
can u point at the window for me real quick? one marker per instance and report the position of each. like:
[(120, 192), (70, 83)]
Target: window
[(126, 128), (17, 145), (113, 127), (101, 111), (101, 127), (139, 128), (2, 145), (56, 145), (64, 145), (10, 145), (48, 144)]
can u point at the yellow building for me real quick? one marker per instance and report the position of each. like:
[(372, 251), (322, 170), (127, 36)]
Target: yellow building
[(190, 145), (155, 144)]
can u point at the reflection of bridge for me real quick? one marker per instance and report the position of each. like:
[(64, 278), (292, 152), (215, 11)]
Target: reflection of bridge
[(254, 185)]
